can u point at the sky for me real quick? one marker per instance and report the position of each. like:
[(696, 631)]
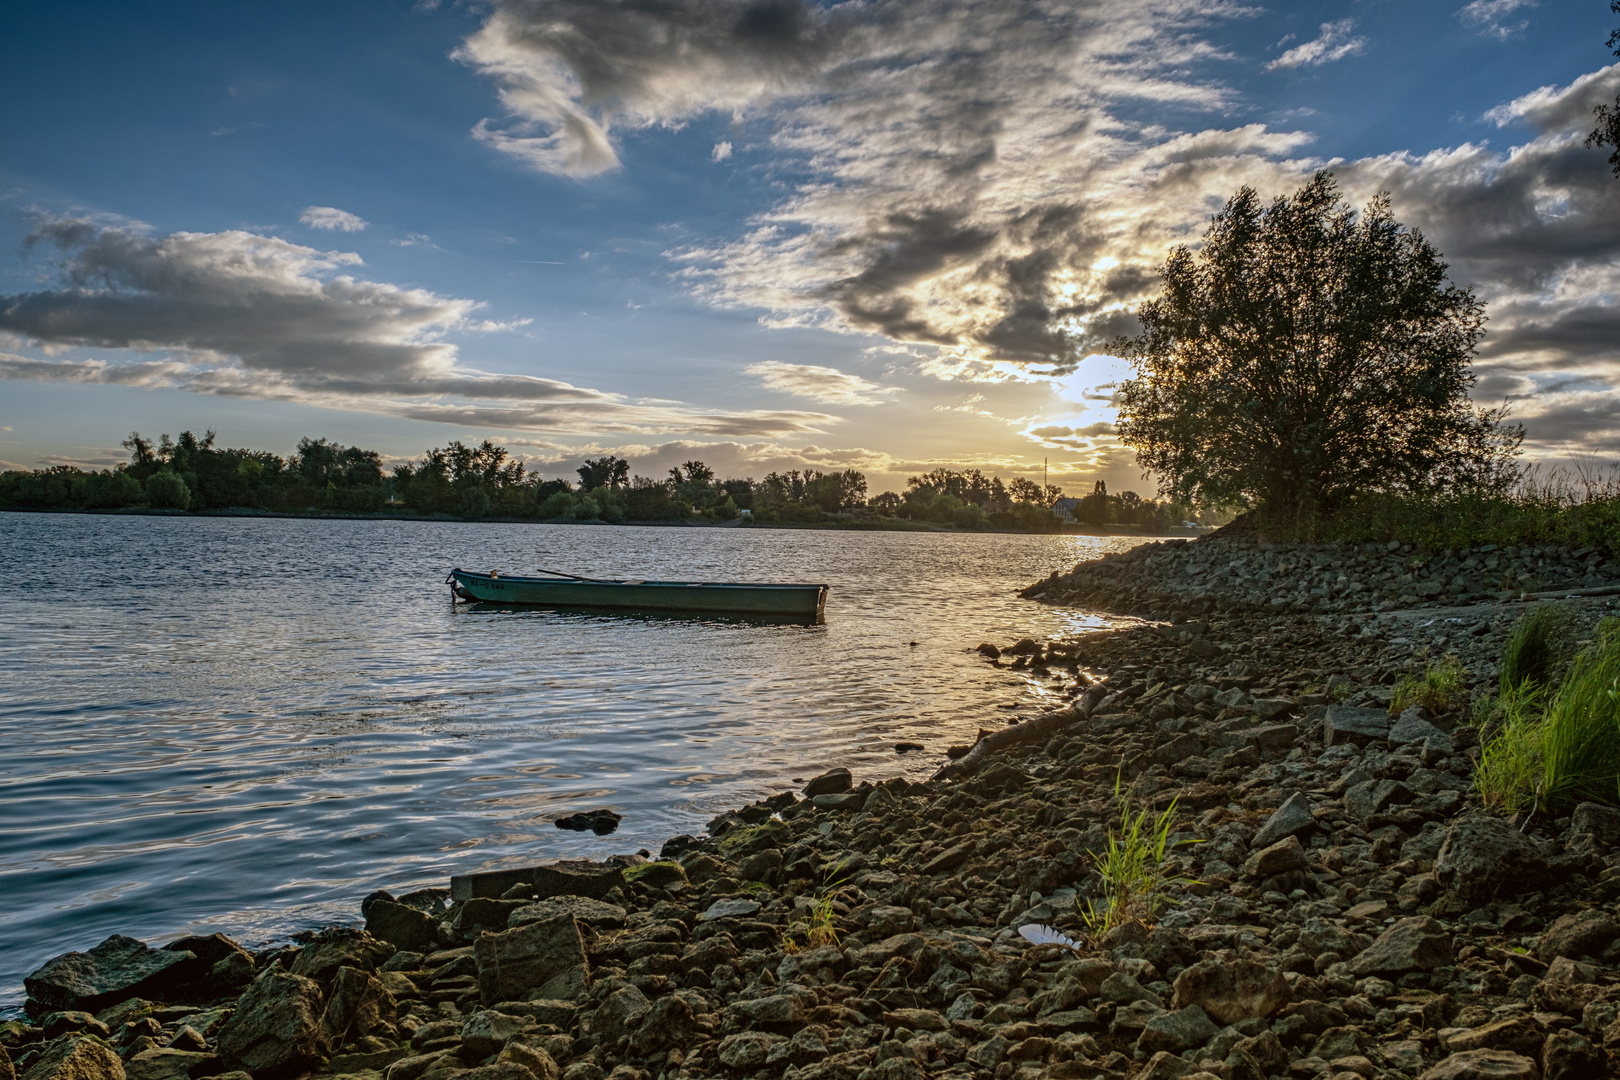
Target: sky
[(768, 234)]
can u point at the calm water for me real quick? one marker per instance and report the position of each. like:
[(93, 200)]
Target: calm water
[(245, 725)]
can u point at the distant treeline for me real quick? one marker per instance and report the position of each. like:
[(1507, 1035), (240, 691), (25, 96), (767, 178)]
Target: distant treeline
[(191, 473)]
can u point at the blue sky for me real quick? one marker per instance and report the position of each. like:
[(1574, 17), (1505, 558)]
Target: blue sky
[(760, 232)]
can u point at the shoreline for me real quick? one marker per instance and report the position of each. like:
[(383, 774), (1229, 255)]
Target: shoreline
[(1351, 911)]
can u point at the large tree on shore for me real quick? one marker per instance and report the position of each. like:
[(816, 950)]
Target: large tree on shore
[(1306, 353)]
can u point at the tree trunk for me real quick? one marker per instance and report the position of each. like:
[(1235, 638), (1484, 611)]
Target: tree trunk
[(1036, 729)]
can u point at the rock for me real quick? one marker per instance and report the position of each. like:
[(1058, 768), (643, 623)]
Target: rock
[(775, 1009), (400, 926), (1518, 1034), (1292, 818), (73, 1022), (1229, 991), (533, 1058), (880, 800), (655, 875), (1415, 944), (358, 1003), (336, 947), (1366, 801), (594, 913), (8, 1071), (117, 969), (167, 1063), (1268, 709), (1594, 828), (1566, 1055), (620, 1013), (747, 1050), (670, 1022), (473, 917), (76, 1057), (849, 800), (487, 1030), (601, 822), (729, 909), (276, 1029), (1484, 857), (1358, 727), (887, 920), (546, 957), (988, 651), (950, 859), (1483, 1065), (1176, 1031), (1411, 729), (570, 877), (501, 1070), (1285, 855), (1122, 989), (832, 782), (1585, 933)]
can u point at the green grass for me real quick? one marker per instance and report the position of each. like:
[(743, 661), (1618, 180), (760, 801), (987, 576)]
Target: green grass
[(818, 927), (1538, 648), (1132, 868), (1551, 758), (1439, 688)]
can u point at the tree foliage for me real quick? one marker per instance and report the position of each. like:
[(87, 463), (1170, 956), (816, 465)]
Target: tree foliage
[(1607, 132), (1305, 354)]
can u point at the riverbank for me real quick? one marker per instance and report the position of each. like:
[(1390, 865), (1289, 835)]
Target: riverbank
[(1350, 911)]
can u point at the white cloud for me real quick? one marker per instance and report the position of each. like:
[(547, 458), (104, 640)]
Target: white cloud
[(1490, 16), (1333, 43), (819, 383), (236, 314), (722, 151), (331, 219)]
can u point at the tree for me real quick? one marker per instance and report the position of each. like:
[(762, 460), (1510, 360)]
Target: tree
[(604, 472), (1025, 491), (1607, 132), (1307, 353)]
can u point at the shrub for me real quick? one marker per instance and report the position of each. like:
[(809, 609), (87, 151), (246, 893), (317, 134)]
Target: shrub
[(166, 490), (1538, 647)]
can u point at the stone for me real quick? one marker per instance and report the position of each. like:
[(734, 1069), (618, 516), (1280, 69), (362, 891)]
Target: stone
[(571, 877), (1518, 1034), (1176, 1031), (1418, 943), (950, 859), (832, 782), (533, 1058), (1345, 724), (8, 1071), (620, 1013), (1411, 729), (1483, 1065), (1567, 1055), (600, 822), (500, 1070), (75, 1057), (358, 1003), (887, 920), (1368, 800), (276, 1029), (487, 1030), (747, 1050), (117, 969), (1229, 991), (662, 874), (1167, 1066), (670, 1022), (1122, 989), (1285, 855), (1594, 828), (400, 926), (542, 959), (473, 917), (593, 913), (849, 800), (1269, 709), (73, 1022), (1484, 857), (167, 1063), (775, 1009), (1292, 818), (1585, 933), (729, 909), (338, 947)]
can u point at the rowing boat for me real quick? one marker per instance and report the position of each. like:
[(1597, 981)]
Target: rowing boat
[(565, 590)]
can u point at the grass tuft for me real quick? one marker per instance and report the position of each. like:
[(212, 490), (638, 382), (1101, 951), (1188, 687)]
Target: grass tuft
[(818, 925), (1508, 777), (1438, 688), (1133, 869), (1537, 648)]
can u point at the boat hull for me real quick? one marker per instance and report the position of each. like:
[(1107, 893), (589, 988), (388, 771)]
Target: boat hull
[(798, 601)]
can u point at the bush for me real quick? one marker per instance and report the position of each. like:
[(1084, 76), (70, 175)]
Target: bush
[(167, 491)]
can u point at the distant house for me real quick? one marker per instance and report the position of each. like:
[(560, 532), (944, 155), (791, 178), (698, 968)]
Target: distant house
[(1065, 508)]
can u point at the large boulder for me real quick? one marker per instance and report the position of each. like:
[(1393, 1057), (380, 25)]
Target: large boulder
[(547, 956), (1229, 991), (117, 969), (405, 928), (1585, 933), (358, 1003), (1485, 857), (276, 1029), (76, 1057), (620, 1013), (339, 947), (1415, 944)]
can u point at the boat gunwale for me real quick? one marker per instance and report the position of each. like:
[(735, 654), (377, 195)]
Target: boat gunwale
[(637, 584)]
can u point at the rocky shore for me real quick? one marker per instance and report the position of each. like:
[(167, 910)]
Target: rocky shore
[(1352, 911)]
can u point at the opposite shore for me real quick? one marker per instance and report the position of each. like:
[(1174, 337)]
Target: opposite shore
[(1336, 903)]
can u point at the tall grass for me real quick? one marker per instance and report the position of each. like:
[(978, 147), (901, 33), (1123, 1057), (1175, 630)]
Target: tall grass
[(1539, 646), (1132, 867), (1550, 758), (1437, 689)]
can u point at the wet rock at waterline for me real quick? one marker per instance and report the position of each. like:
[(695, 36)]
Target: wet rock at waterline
[(601, 822)]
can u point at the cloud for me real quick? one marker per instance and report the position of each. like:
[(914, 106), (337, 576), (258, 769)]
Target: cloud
[(1333, 43), (1490, 16), (331, 219), (722, 151), (819, 383), (241, 315)]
